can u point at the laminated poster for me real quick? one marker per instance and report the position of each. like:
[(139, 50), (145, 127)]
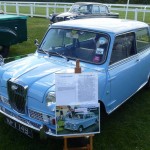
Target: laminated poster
[(77, 107), (78, 119)]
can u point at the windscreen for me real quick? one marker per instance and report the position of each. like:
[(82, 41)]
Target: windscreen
[(76, 44)]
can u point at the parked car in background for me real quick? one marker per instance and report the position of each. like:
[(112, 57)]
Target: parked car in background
[(13, 30), (81, 10), (117, 50)]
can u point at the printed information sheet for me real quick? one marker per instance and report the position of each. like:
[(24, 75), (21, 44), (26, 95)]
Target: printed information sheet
[(76, 88)]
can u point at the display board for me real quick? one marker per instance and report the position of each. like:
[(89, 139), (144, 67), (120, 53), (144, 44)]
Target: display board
[(77, 107), (76, 88)]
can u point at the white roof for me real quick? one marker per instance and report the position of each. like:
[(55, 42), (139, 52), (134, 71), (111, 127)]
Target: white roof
[(111, 25)]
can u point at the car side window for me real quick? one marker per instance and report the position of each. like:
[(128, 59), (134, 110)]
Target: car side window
[(96, 9), (103, 9), (124, 46), (83, 9), (142, 39)]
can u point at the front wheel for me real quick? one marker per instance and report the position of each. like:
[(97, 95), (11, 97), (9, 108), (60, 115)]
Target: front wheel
[(4, 50)]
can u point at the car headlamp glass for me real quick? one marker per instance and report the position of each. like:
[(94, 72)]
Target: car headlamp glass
[(50, 101)]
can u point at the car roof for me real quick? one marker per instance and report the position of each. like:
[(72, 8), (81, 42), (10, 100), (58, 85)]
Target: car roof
[(88, 3), (111, 25), (11, 17)]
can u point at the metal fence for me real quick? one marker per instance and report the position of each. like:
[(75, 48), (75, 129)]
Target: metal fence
[(43, 9)]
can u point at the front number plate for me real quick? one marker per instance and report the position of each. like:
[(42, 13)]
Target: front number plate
[(27, 131)]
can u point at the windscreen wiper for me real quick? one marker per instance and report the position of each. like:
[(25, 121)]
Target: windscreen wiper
[(47, 53), (52, 52)]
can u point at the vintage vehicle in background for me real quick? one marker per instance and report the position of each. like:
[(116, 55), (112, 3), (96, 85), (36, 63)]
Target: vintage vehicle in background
[(117, 50), (81, 121), (81, 10), (13, 30)]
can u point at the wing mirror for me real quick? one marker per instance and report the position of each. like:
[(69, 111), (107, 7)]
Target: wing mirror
[(36, 42)]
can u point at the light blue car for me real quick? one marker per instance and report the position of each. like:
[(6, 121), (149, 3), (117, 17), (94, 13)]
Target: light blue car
[(81, 121), (117, 50)]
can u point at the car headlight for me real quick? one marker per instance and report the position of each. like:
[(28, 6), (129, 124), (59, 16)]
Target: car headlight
[(50, 16), (50, 101)]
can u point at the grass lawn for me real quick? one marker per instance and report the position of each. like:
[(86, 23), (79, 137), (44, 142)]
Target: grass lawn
[(36, 30), (128, 128)]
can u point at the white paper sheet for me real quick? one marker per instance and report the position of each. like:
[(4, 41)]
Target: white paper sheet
[(76, 88)]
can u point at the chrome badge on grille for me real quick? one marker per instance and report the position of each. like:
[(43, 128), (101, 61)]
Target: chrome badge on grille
[(14, 87)]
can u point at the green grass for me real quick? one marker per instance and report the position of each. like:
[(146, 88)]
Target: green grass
[(36, 30), (128, 128)]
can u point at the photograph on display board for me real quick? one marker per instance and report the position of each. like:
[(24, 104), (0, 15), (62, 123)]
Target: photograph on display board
[(78, 119)]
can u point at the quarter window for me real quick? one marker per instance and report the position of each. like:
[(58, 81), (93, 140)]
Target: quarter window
[(124, 46), (142, 39)]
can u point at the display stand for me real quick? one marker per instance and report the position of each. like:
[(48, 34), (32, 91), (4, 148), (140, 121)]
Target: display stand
[(89, 146)]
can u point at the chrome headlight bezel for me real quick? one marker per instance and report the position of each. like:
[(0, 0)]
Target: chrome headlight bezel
[(51, 100)]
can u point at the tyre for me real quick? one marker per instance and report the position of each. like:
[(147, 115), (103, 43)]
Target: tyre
[(4, 50), (80, 129)]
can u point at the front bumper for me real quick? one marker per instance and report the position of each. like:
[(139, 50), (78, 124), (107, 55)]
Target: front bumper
[(26, 121)]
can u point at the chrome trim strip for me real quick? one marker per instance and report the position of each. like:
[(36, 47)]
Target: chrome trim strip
[(118, 63)]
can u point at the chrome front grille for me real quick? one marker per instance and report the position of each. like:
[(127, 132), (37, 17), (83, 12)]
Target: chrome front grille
[(36, 115), (17, 96)]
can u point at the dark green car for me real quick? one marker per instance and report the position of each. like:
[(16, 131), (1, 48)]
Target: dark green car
[(13, 30)]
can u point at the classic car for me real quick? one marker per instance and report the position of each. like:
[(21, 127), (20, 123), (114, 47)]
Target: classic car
[(13, 30), (81, 10), (117, 50), (81, 121)]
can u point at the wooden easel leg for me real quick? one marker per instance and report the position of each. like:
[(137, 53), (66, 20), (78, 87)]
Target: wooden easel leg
[(89, 146), (91, 142), (65, 144)]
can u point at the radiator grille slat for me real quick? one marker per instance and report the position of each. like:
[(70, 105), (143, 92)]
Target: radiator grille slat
[(36, 115), (17, 96)]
